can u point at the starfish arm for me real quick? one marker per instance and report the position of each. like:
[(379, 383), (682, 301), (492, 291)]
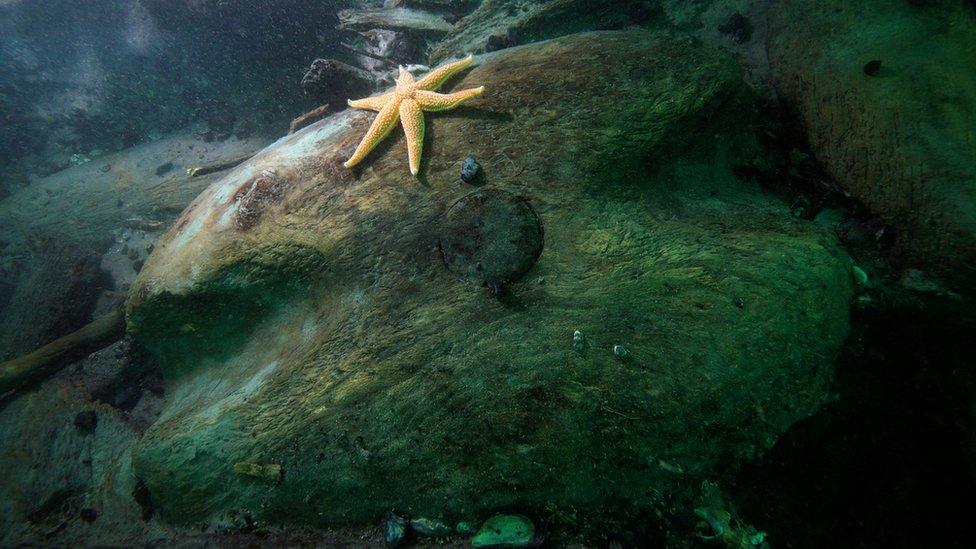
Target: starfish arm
[(405, 78), (384, 122), (412, 119), (438, 76), (433, 101), (374, 103)]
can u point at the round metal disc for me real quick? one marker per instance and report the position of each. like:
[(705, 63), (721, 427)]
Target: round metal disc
[(491, 236)]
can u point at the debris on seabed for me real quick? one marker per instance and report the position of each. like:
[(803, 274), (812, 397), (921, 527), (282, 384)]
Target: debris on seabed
[(164, 169), (308, 118), (394, 530), (430, 527), (197, 171), (78, 159), (720, 525), (141, 224)]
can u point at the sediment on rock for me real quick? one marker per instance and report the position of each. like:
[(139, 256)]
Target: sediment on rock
[(341, 330)]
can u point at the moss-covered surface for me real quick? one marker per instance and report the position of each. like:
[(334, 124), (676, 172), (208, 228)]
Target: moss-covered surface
[(901, 140), (378, 380)]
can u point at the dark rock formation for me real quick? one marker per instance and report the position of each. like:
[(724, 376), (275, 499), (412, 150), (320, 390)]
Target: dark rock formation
[(333, 82)]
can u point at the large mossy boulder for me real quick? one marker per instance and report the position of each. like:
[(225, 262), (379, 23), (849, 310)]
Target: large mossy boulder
[(308, 326), (900, 135)]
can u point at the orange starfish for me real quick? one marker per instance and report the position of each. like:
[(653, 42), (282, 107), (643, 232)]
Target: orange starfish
[(407, 104)]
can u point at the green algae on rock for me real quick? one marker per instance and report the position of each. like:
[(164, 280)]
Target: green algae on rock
[(268, 471), (329, 336), (901, 140)]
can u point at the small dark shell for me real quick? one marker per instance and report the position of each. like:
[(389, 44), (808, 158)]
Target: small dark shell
[(88, 515), (86, 421), (872, 67)]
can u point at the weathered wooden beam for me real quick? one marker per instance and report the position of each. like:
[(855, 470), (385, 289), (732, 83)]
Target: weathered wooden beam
[(197, 171), (398, 19), (20, 373), (307, 118), (452, 6)]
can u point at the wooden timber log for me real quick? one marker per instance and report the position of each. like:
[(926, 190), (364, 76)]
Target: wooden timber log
[(20, 373), (398, 19), (197, 171), (450, 6), (307, 118)]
